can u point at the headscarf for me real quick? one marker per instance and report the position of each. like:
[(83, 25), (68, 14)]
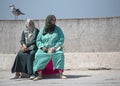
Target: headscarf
[(49, 27), (29, 32), (27, 24)]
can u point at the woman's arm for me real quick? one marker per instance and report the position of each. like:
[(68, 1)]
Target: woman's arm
[(61, 38), (39, 41)]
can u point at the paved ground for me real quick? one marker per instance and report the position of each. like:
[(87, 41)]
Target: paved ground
[(75, 78)]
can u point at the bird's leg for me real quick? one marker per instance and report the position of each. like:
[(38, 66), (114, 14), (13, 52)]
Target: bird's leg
[(17, 17)]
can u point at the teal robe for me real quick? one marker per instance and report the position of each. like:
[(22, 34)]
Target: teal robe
[(56, 39)]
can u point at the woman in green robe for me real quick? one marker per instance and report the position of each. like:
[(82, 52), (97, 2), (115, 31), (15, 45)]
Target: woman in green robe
[(24, 60), (49, 42)]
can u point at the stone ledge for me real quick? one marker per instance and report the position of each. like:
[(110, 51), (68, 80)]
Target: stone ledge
[(97, 60)]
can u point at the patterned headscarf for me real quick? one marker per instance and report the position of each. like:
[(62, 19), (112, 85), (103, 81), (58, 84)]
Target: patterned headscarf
[(29, 32), (49, 27), (28, 23)]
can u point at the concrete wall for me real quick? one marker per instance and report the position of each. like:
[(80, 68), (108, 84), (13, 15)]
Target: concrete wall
[(81, 35), (85, 40)]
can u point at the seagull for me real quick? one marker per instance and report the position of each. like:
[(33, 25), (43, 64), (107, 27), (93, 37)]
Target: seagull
[(16, 12)]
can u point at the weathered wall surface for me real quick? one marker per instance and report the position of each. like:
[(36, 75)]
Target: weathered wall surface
[(81, 35), (95, 37)]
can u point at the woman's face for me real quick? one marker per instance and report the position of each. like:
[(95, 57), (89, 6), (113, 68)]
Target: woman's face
[(53, 21), (31, 25)]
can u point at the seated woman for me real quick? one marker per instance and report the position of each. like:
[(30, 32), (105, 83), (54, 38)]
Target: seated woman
[(24, 60), (49, 58)]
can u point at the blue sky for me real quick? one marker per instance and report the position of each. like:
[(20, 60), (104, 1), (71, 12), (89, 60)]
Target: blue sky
[(39, 9)]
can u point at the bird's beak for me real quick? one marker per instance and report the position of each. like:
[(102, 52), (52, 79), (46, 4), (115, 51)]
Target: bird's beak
[(10, 6)]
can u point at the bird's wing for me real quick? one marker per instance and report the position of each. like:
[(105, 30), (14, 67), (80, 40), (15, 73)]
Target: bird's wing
[(19, 12)]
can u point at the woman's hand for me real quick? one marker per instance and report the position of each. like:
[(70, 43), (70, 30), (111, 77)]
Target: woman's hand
[(24, 48), (45, 49), (52, 50)]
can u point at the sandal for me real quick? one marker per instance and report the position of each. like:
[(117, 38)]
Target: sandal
[(37, 78)]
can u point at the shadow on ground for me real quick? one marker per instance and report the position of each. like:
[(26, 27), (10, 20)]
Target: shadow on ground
[(68, 76), (77, 76)]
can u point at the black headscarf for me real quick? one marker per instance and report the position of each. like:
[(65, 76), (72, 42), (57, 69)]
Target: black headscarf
[(49, 27)]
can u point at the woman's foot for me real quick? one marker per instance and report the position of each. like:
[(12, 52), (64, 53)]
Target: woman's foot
[(32, 77), (39, 75), (24, 75), (63, 77), (37, 78), (17, 76)]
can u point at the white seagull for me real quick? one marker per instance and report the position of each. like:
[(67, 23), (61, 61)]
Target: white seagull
[(16, 12)]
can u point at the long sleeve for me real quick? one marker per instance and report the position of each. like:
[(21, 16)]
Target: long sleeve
[(61, 38), (22, 41), (39, 41)]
